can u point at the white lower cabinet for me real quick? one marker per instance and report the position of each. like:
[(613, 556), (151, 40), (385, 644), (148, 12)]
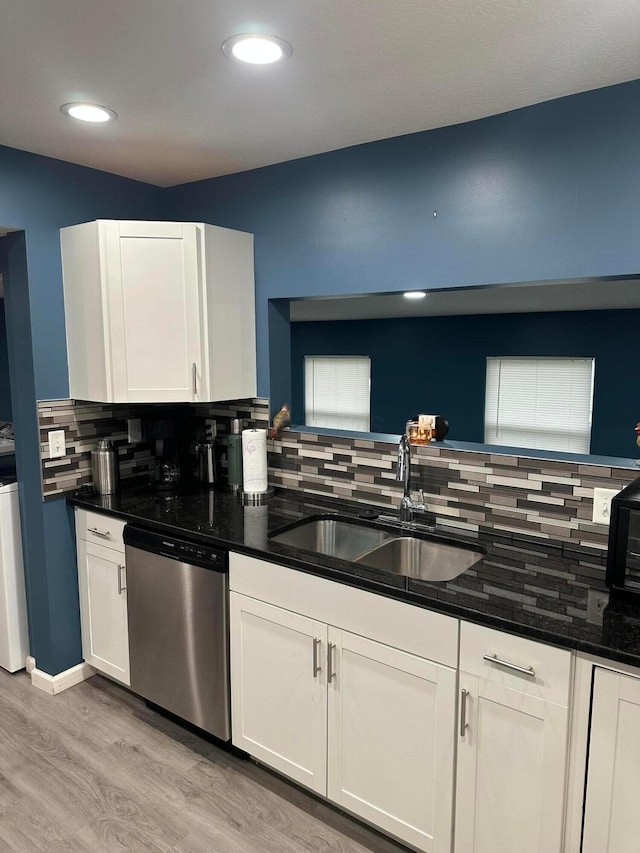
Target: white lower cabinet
[(102, 586), (329, 699), (278, 697), (612, 817), (512, 744), (390, 748)]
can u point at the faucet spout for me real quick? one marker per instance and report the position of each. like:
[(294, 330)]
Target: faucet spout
[(403, 474)]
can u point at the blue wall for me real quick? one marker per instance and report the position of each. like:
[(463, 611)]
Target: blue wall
[(437, 364), (541, 193), (5, 385), (546, 192), (39, 196)]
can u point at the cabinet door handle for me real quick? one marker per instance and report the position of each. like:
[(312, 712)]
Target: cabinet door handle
[(103, 533), (529, 671), (330, 671), (316, 666), (194, 376), (121, 586), (464, 725)]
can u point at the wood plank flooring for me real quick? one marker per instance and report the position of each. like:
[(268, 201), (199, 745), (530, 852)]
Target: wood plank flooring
[(93, 769)]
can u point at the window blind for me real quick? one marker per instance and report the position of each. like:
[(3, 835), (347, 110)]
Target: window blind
[(337, 391), (542, 403)]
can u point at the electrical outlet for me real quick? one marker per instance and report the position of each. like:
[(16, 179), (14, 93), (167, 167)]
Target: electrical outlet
[(596, 603), (602, 505), (57, 445), (134, 430), (210, 429)]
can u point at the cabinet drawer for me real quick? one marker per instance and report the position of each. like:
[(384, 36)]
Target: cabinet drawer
[(525, 665), (102, 529)]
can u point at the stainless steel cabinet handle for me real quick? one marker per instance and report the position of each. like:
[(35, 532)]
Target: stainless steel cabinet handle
[(194, 374), (529, 671), (463, 712), (104, 533), (121, 586), (316, 666), (330, 672)]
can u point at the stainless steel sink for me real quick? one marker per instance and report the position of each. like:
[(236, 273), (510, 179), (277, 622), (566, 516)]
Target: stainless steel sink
[(333, 537), (426, 559)]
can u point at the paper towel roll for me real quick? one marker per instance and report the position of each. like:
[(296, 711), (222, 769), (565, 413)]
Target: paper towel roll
[(254, 460)]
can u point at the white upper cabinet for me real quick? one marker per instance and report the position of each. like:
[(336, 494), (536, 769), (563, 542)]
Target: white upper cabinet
[(159, 312)]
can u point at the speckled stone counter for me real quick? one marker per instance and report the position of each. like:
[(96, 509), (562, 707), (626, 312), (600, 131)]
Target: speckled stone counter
[(522, 585)]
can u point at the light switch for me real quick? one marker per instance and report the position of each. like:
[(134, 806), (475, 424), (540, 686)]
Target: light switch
[(57, 444), (134, 430), (602, 505)]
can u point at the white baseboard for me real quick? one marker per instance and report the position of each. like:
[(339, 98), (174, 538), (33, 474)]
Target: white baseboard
[(53, 684)]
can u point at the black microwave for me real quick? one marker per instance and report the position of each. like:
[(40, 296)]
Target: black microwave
[(623, 557)]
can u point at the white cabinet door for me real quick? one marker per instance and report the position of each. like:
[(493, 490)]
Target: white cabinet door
[(158, 312), (103, 609), (511, 770), (391, 739), (278, 689), (153, 292), (612, 817)]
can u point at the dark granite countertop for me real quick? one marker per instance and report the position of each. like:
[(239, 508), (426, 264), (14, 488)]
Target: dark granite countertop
[(522, 585)]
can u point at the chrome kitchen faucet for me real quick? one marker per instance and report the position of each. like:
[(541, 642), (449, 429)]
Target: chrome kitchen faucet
[(403, 474)]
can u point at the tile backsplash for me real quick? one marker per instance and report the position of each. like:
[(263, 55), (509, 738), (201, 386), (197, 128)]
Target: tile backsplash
[(549, 500), (84, 423)]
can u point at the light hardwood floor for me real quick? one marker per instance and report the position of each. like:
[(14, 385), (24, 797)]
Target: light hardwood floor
[(94, 769)]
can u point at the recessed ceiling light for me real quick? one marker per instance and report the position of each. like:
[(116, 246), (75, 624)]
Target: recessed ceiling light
[(89, 112), (414, 294), (256, 49)]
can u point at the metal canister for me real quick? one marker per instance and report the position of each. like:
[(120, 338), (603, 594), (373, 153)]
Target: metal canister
[(207, 472), (104, 467)]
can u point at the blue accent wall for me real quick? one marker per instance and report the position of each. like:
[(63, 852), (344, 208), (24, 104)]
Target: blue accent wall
[(437, 365), (546, 192), (5, 386), (39, 196)]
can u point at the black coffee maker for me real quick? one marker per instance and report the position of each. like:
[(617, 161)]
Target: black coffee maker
[(165, 470)]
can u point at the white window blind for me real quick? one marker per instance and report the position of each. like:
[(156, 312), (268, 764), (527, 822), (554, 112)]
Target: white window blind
[(337, 391), (543, 403)]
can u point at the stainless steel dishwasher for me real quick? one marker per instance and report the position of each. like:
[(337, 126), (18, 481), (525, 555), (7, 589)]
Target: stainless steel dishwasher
[(177, 602)]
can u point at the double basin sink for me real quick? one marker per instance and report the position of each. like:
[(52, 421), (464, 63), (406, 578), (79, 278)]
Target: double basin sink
[(401, 552)]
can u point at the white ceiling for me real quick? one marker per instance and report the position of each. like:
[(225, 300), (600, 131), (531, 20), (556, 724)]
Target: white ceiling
[(361, 70)]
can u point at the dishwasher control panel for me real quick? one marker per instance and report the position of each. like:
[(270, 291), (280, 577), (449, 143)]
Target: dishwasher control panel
[(175, 548), (188, 553)]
